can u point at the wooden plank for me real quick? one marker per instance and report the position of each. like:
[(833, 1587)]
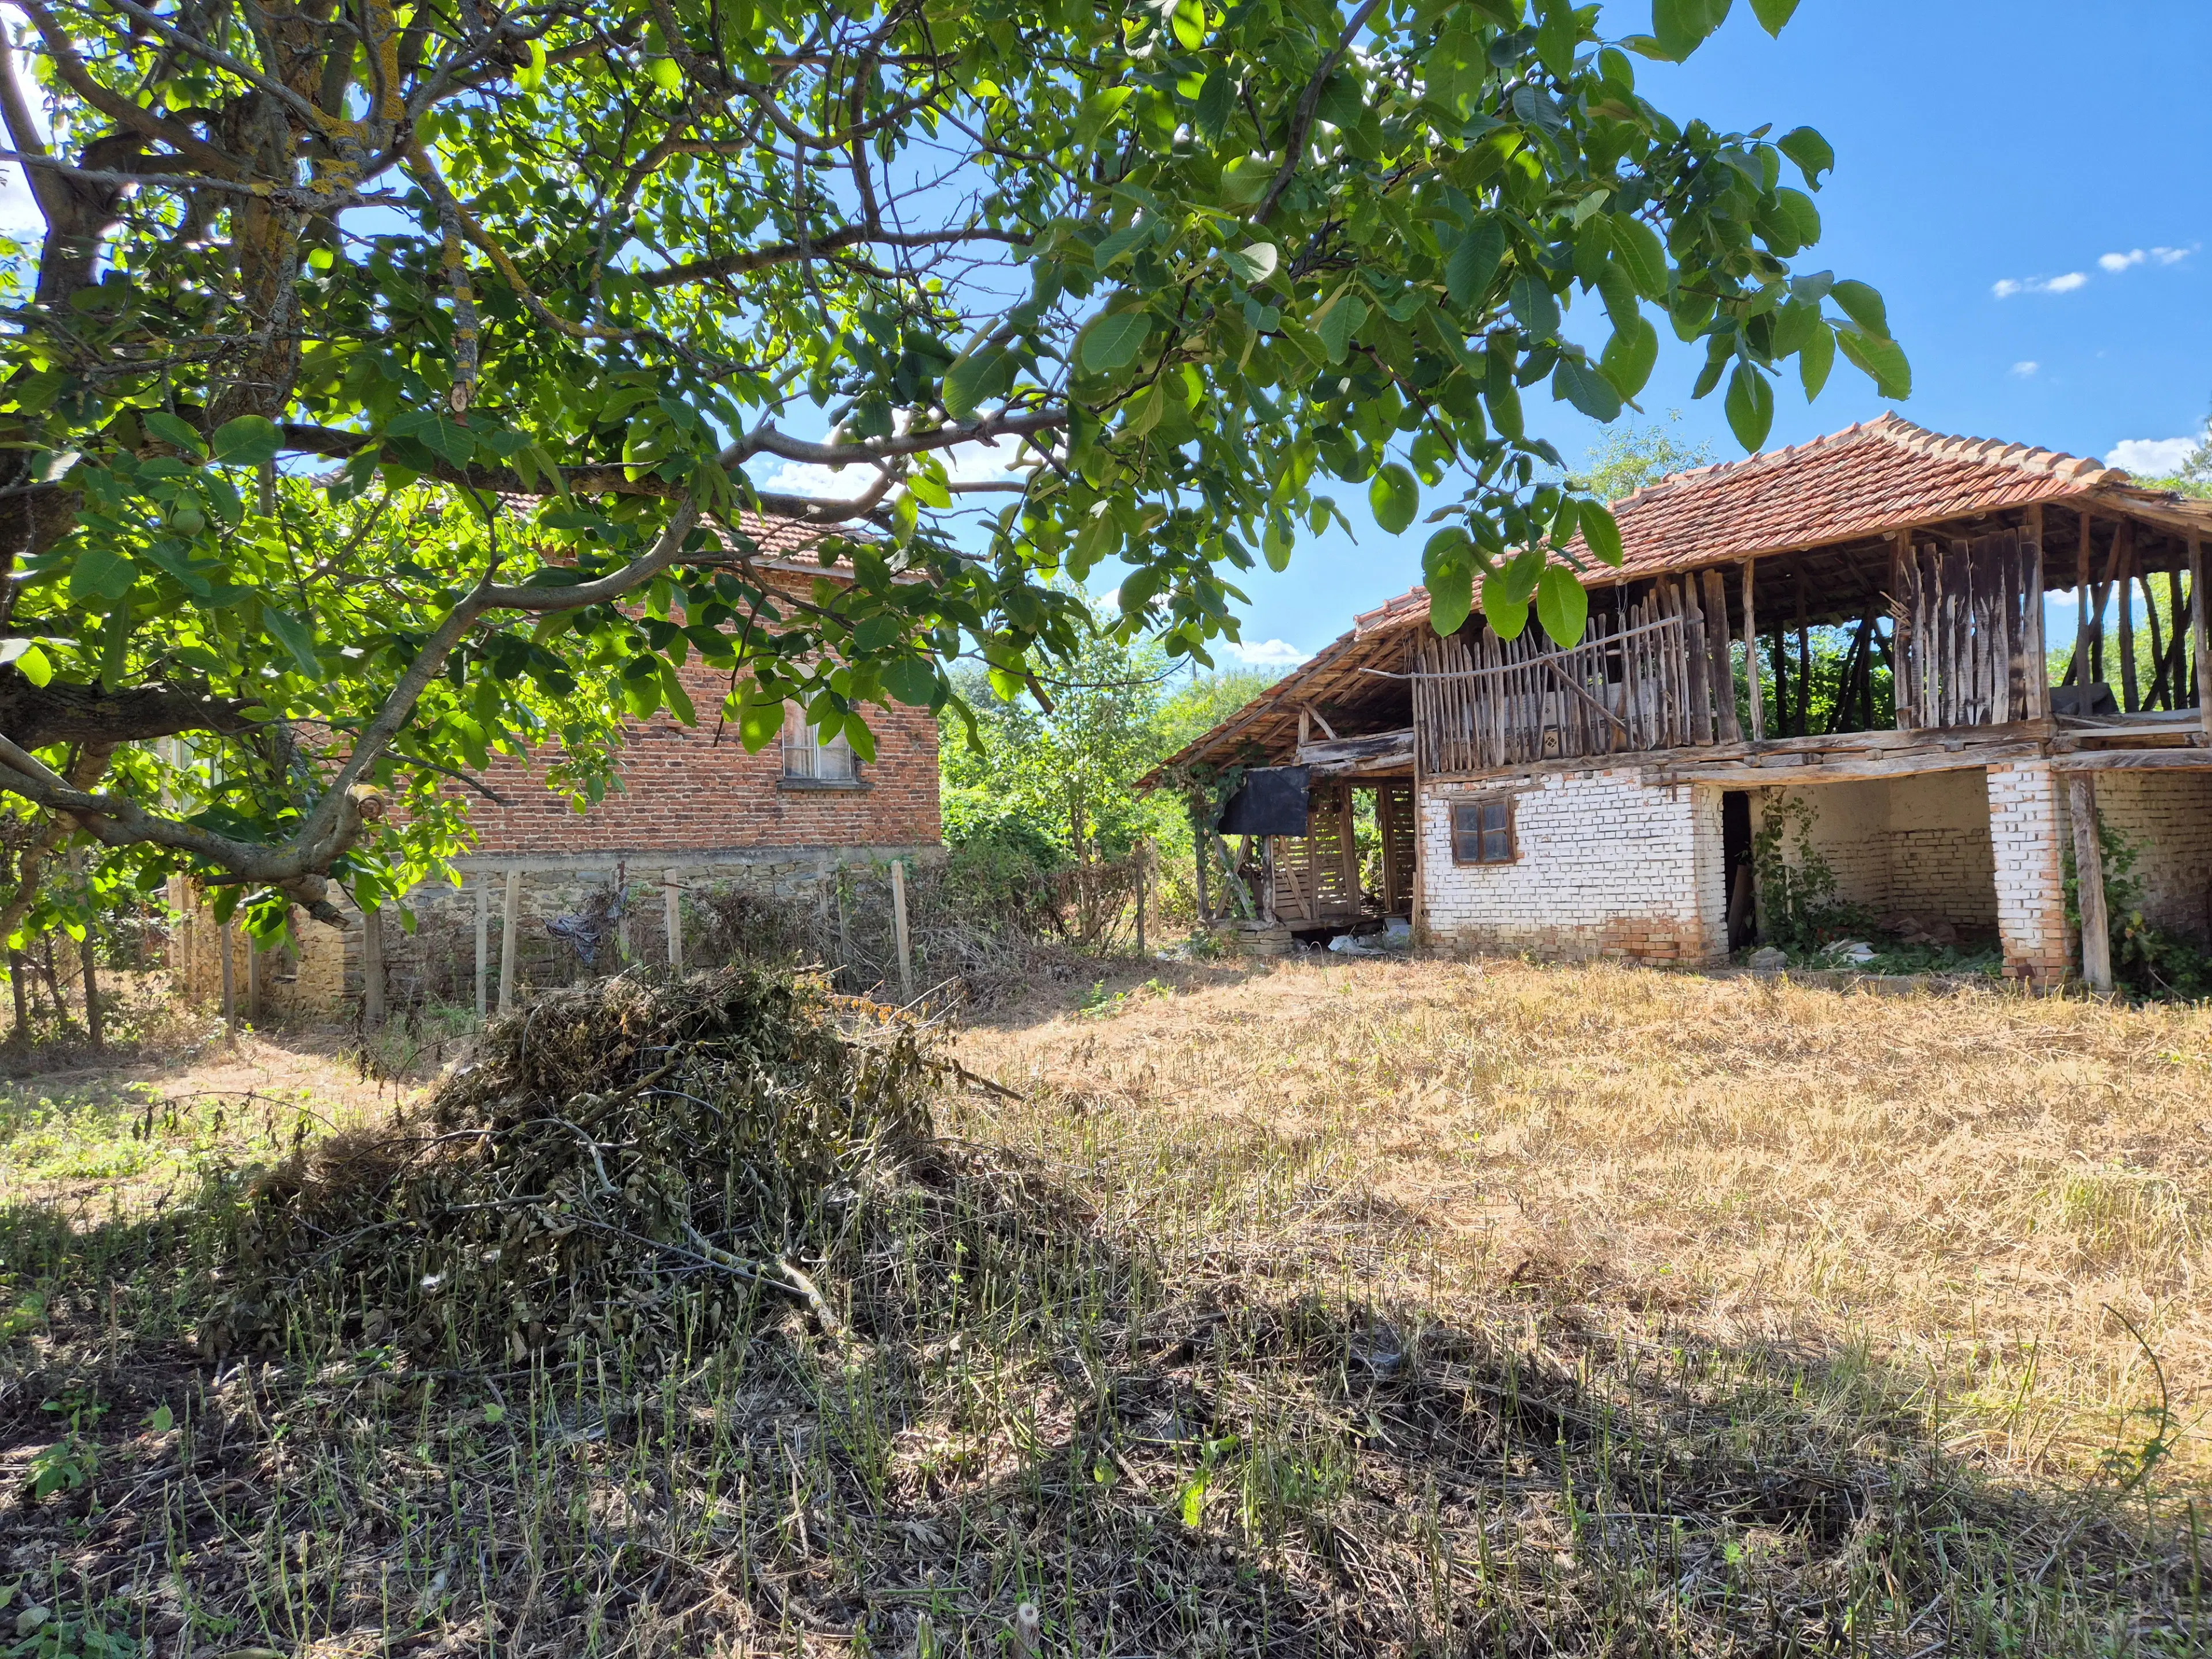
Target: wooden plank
[(1693, 767), (1751, 655), (2191, 759), (2124, 592), (2198, 632), (2089, 884), (1727, 727), (372, 966), (2035, 652), (2080, 666), (1901, 600), (898, 930)]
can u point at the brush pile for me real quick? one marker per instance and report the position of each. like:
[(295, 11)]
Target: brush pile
[(629, 1159)]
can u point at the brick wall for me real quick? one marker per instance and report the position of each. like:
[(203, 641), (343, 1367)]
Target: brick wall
[(2168, 818), (1609, 867), (2027, 820), (1918, 845)]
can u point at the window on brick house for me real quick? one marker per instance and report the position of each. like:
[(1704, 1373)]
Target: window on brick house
[(806, 756), (1482, 831)]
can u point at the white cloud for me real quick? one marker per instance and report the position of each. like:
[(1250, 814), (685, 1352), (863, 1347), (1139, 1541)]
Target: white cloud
[(2006, 287), (1266, 654), (2117, 262), (2026, 370), (965, 463), (2151, 458)]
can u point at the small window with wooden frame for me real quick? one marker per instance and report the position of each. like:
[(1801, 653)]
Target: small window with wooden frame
[(1482, 831)]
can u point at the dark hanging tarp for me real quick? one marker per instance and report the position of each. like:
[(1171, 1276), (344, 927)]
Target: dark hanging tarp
[(1272, 801)]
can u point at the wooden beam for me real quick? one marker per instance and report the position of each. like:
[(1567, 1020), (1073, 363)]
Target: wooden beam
[(1746, 774), (2198, 632), (2122, 584), (1902, 586), (1751, 655), (2036, 667), (2191, 759), (1804, 721), (2089, 884), (2080, 666)]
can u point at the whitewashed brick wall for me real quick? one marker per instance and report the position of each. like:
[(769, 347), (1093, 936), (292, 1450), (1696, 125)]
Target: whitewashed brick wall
[(2168, 818), (1609, 866), (1916, 845), (2028, 821)]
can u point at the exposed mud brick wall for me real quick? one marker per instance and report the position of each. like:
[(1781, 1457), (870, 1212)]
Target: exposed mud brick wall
[(2028, 821), (312, 979), (2167, 815), (1609, 867)]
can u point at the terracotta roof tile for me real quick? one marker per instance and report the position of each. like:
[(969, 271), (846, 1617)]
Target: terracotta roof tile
[(1869, 479)]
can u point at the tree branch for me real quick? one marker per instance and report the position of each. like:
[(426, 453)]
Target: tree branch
[(1309, 100)]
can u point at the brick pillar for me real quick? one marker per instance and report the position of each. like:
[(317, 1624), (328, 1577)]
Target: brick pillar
[(2027, 827)]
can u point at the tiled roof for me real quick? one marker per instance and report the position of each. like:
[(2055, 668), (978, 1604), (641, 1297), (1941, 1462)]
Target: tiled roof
[(1875, 476)]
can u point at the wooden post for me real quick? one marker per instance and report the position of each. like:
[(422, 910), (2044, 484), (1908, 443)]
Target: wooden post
[(1197, 848), (671, 905), (1751, 658), (2198, 633), (226, 936), (91, 1024), (1804, 722), (2081, 556), (483, 943), (1140, 897), (252, 979), (20, 1036), (372, 966), (2037, 666), (2089, 883), (1904, 606), (898, 929), (510, 924)]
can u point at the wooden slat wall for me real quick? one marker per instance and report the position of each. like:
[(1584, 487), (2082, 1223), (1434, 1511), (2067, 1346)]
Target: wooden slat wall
[(1654, 674), (1393, 817), (1968, 633), (1317, 874)]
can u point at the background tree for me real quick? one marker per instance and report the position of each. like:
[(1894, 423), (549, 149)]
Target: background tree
[(536, 283), (1631, 457)]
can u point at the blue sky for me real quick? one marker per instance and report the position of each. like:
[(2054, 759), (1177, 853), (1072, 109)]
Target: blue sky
[(1977, 143)]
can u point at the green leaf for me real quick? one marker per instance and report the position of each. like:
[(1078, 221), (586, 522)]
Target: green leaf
[(1629, 356), (964, 380), (912, 680), (1448, 572), (1394, 497), (443, 437), (672, 692), (928, 489), (1473, 262), (247, 442), (173, 431), (1216, 99), (1816, 358), (1804, 218), (1113, 341), (1146, 412), (1862, 306), (1772, 14), (1561, 605), (1681, 26), (1578, 383), (1255, 262), (1750, 406), (1812, 153), (1882, 360), (1536, 307), (100, 577), (1190, 24), (295, 636), (1098, 111), (1602, 532), (1276, 542), (759, 723), (1506, 611), (1339, 321), (1641, 254)]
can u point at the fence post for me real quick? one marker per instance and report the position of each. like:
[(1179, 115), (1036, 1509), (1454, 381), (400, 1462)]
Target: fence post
[(252, 978), (2089, 884), (1143, 848), (20, 1036), (226, 937), (671, 900), (372, 966), (898, 928), (91, 990), (483, 943), (510, 922)]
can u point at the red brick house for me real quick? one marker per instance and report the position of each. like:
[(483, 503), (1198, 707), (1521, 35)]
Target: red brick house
[(691, 810)]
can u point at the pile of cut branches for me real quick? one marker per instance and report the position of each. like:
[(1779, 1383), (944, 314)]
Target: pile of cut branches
[(630, 1158)]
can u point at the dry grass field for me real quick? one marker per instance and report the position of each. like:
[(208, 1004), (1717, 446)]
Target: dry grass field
[(2002, 1201), (1325, 1308)]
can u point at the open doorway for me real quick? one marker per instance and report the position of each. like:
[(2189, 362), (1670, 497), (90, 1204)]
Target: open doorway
[(1741, 903)]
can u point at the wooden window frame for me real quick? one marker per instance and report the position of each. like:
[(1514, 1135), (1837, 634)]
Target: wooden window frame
[(1480, 804), (811, 763)]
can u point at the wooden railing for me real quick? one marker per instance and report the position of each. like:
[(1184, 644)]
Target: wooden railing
[(1969, 621), (1645, 679)]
